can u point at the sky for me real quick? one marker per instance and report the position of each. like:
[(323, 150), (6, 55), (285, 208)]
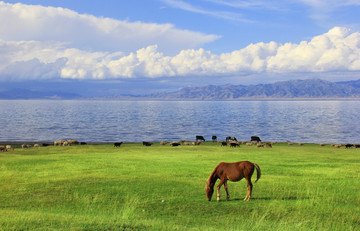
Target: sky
[(159, 45)]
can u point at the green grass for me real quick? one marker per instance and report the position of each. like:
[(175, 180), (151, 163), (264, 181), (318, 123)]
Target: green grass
[(99, 187)]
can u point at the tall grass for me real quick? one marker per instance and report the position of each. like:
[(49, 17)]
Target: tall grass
[(99, 187)]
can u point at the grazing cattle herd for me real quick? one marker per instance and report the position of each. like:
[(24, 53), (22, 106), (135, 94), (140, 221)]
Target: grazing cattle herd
[(231, 141)]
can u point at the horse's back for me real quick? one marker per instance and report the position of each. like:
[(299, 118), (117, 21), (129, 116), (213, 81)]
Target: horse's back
[(235, 171)]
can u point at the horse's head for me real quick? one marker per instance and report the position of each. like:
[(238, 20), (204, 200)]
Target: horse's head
[(209, 190)]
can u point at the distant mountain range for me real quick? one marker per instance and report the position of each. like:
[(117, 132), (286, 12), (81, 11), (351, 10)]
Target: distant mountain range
[(20, 93), (294, 89)]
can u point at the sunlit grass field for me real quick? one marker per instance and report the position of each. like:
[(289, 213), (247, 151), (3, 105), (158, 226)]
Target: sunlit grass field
[(101, 187)]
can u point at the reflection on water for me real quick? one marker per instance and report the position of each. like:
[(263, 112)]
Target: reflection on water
[(100, 121)]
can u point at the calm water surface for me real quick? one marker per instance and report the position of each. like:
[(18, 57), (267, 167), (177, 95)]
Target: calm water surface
[(136, 121)]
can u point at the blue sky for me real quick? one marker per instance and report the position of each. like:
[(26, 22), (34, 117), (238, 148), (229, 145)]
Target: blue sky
[(169, 44)]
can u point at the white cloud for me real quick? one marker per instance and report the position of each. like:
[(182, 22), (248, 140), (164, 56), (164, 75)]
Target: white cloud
[(20, 22), (336, 50), (33, 44)]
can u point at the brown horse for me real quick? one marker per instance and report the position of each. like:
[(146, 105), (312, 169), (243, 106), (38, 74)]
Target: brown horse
[(233, 172)]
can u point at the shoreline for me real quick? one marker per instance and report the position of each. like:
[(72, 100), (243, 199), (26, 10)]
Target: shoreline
[(190, 99), (51, 143)]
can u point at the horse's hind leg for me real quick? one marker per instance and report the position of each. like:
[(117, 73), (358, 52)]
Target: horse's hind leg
[(249, 190), (226, 190)]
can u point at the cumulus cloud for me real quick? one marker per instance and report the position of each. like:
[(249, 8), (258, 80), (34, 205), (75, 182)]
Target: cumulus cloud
[(336, 50), (49, 53), (20, 22)]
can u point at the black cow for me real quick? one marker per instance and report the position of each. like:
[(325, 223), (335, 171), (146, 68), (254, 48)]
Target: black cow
[(233, 145), (117, 144), (349, 145), (255, 138), (231, 138), (200, 138), (223, 143), (174, 144), (147, 143), (214, 138)]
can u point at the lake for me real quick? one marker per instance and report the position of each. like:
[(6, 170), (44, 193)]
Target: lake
[(136, 121)]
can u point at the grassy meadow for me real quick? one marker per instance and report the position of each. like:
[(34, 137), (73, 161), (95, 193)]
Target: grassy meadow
[(100, 187)]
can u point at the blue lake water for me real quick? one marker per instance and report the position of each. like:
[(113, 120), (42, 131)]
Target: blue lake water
[(136, 121)]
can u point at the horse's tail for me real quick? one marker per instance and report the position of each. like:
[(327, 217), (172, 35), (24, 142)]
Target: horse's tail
[(258, 172)]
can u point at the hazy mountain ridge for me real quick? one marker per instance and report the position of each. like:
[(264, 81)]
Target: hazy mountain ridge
[(294, 89), (20, 93), (312, 88)]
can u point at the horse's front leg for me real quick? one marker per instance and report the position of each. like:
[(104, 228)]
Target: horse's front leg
[(226, 190), (218, 189)]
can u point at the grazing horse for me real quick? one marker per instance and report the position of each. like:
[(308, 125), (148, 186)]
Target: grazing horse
[(233, 172)]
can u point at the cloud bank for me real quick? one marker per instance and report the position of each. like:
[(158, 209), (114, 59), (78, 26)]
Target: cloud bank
[(20, 22), (49, 49)]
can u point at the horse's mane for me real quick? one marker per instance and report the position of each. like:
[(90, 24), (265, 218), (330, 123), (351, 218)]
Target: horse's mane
[(208, 181)]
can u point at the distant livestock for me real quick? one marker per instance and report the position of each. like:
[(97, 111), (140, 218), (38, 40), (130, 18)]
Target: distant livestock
[(147, 143), (255, 138), (61, 143), (223, 143), (200, 138), (9, 147), (174, 144), (231, 138), (66, 142), (234, 144), (3, 149), (192, 143), (117, 144), (349, 145), (73, 142), (214, 138)]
